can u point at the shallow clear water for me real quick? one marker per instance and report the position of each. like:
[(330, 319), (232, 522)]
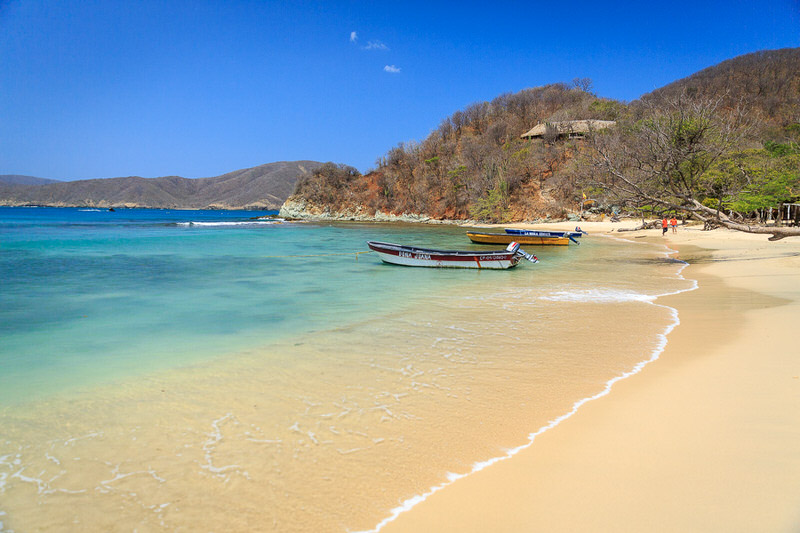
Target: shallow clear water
[(90, 295), (236, 374)]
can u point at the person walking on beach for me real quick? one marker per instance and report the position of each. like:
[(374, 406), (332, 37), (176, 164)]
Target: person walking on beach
[(674, 223), (663, 226)]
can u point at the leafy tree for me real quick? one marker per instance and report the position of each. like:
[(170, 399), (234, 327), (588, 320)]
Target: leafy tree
[(764, 178), (494, 206), (673, 157), (604, 109)]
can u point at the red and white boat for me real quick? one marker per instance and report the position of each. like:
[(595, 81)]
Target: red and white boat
[(397, 254)]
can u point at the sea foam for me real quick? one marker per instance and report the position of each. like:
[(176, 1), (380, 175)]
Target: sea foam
[(614, 296), (230, 224), (597, 296)]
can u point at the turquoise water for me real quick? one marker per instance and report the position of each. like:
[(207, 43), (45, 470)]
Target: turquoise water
[(201, 370), (91, 295)]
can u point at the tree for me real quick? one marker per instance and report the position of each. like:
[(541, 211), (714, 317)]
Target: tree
[(668, 154), (768, 177), (584, 84)]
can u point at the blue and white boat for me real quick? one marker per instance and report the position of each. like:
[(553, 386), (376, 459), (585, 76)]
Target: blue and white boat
[(572, 235)]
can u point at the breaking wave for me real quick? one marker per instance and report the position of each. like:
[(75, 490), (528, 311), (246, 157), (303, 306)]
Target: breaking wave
[(229, 224), (597, 296)]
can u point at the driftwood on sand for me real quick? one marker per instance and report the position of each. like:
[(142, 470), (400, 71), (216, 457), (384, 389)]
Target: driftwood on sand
[(656, 224)]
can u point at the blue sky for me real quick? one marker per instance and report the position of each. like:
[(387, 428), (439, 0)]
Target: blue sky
[(105, 88)]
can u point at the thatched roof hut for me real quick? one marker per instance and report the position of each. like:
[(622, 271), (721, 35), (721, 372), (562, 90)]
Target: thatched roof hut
[(570, 128)]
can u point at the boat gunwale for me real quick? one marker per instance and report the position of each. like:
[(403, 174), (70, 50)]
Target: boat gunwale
[(502, 238), (543, 232), (434, 251)]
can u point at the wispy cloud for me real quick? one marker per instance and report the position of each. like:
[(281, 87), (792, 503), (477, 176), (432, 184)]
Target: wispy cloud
[(373, 44), (376, 45)]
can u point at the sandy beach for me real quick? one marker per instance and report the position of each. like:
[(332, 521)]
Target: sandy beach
[(334, 427), (703, 439)]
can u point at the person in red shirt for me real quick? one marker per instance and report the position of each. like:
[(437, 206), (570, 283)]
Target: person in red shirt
[(674, 223), (663, 226)]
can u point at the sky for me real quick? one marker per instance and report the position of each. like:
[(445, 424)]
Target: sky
[(107, 88)]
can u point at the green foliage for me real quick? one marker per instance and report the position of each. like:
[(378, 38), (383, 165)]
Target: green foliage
[(759, 178), (592, 192), (493, 207), (520, 151), (648, 210), (603, 109), (457, 172), (688, 131), (781, 149)]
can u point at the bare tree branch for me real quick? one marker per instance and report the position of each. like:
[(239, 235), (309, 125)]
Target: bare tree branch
[(664, 156)]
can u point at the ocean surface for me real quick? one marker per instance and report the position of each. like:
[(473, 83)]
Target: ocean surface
[(210, 371)]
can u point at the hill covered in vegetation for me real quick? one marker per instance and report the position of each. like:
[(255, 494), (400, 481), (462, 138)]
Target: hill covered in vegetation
[(766, 82), (477, 164), (474, 165), (16, 179), (262, 187)]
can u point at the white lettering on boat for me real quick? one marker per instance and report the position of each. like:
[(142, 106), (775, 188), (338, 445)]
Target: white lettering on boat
[(425, 257)]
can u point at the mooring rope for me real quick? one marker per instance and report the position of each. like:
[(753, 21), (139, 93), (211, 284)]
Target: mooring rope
[(315, 255)]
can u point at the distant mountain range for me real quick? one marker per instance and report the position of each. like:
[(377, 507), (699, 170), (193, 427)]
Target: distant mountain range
[(16, 179), (263, 187)]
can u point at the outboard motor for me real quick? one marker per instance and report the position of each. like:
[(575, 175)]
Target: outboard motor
[(514, 249)]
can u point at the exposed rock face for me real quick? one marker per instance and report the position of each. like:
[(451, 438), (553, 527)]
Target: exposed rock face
[(299, 208)]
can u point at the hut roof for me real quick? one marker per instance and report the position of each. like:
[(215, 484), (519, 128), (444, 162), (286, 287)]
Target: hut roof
[(565, 127)]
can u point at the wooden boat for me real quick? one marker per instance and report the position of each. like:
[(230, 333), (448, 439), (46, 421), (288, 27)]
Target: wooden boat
[(397, 254), (543, 233), (572, 235), (505, 238)]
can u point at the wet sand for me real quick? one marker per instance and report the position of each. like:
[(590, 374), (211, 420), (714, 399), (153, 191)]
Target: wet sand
[(329, 439), (327, 432), (703, 439)]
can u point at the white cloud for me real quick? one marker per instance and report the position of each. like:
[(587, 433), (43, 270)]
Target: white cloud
[(375, 45), (391, 69), (353, 37)]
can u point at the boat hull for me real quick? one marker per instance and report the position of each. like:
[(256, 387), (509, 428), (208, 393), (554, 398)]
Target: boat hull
[(505, 238), (543, 233), (397, 254)]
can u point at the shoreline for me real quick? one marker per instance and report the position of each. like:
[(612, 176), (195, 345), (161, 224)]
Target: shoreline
[(409, 504), (228, 424), (307, 435), (645, 457)]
